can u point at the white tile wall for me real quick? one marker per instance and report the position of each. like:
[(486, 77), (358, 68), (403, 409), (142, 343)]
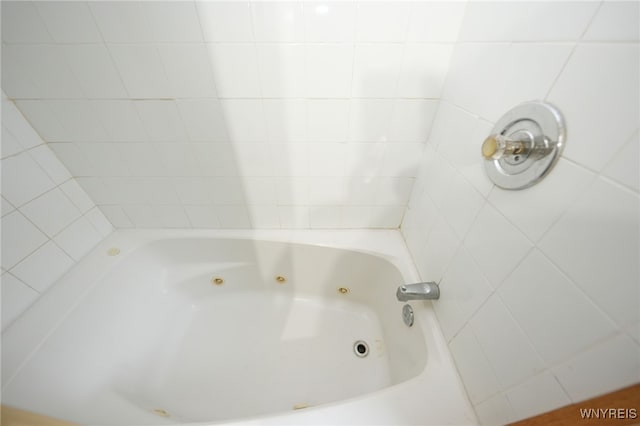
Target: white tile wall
[(338, 92), (540, 294), (314, 114), (42, 206)]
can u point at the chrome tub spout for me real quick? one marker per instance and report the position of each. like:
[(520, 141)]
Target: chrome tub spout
[(418, 291)]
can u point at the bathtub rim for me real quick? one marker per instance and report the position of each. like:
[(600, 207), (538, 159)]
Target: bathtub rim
[(32, 329)]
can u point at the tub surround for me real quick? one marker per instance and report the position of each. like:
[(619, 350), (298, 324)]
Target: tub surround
[(172, 270), (540, 301), (48, 221)]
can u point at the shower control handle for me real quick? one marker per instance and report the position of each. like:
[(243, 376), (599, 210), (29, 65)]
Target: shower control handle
[(496, 146)]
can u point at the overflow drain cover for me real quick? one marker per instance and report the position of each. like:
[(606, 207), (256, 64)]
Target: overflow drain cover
[(361, 349)]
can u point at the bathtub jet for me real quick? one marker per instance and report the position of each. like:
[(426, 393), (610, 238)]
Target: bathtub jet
[(419, 291)]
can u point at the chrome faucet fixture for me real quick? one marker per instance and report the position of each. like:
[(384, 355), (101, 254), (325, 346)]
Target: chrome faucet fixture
[(418, 291)]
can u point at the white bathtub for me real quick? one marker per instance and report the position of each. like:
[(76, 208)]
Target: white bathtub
[(140, 333)]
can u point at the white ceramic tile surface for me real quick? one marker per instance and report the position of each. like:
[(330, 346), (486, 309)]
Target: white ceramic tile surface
[(69, 22), (376, 70), (278, 21), (526, 20), (329, 68), (608, 215), (23, 179), (225, 21), (505, 345), (51, 212), (560, 332), (43, 267), (612, 80), (21, 23), (539, 394), (382, 21), (19, 239), (609, 366), (16, 297), (480, 381), (495, 244), (329, 21)]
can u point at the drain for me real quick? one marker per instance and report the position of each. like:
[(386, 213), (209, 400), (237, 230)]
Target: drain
[(361, 349)]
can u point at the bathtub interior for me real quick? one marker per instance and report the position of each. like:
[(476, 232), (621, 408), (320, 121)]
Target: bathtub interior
[(155, 336)]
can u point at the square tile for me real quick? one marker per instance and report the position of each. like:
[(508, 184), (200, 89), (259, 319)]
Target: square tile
[(327, 120), (607, 367), (233, 217), (77, 195), (203, 119), (496, 245), (69, 22), (537, 395), (72, 158), (21, 23), (217, 159), (464, 291), (245, 120), (325, 217), (329, 21), (260, 190), (370, 120), (441, 246), (608, 215), (105, 159), (95, 71), (38, 71), (23, 180), (117, 216), (506, 347), (615, 21), (327, 159), (560, 332), (278, 21), (173, 21), (294, 217), (382, 21), (411, 120), (120, 120), (122, 22), (99, 222), (286, 119), (329, 68), (14, 120), (51, 212), (461, 205), (435, 21), (188, 69), (142, 70), (400, 159), (48, 161), (376, 70), (612, 79), (495, 411), (625, 166), (43, 267), (479, 380), (529, 70), (424, 70), (526, 21), (387, 217), (203, 216), (162, 120), (264, 216), (225, 21), (81, 121), (282, 70), (535, 210), (19, 239), (259, 159), (16, 298)]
